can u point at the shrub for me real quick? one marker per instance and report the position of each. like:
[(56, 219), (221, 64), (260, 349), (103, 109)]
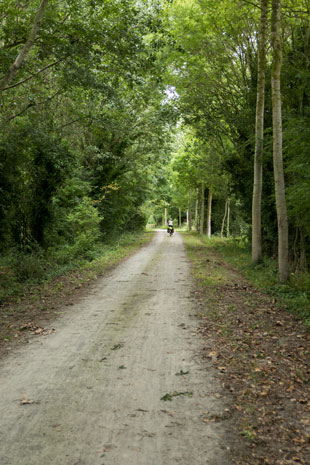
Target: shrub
[(84, 221)]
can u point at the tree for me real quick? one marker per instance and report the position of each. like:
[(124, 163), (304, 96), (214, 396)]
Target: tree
[(259, 137), (202, 211), (277, 142), (87, 94), (209, 210)]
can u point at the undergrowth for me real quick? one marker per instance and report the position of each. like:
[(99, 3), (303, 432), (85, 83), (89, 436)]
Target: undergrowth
[(294, 295), (21, 271)]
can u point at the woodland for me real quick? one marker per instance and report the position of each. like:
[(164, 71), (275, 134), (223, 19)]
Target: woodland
[(120, 113)]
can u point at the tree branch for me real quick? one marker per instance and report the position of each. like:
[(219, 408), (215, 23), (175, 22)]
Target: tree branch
[(14, 44), (256, 5), (74, 121), (32, 76), (25, 50), (33, 104)]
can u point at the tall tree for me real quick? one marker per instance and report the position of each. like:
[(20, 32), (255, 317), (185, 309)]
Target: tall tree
[(202, 214), (259, 137), (209, 211), (277, 142)]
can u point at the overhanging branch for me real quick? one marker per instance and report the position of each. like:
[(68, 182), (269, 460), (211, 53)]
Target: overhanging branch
[(26, 48), (32, 76)]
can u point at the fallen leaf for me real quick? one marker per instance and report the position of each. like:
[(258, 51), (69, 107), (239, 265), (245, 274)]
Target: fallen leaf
[(170, 395), (299, 440), (24, 400)]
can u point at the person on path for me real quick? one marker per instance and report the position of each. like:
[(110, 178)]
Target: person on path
[(170, 229)]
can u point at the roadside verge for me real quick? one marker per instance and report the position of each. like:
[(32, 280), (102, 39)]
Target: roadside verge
[(32, 313), (261, 353)]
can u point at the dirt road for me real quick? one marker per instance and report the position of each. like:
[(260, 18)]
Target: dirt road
[(92, 391)]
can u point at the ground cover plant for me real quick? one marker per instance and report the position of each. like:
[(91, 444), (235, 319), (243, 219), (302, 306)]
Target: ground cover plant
[(261, 353)]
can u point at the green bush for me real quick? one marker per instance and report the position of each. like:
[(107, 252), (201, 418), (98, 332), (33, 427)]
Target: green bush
[(85, 220)]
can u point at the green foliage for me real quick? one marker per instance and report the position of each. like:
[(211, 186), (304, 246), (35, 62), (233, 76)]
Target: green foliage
[(213, 71), (84, 126), (34, 165), (84, 223), (87, 125), (297, 143)]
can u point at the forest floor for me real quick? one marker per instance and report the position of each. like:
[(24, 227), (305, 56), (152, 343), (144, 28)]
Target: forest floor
[(158, 362), (262, 355)]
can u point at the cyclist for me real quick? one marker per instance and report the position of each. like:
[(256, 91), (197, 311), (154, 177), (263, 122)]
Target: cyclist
[(170, 229)]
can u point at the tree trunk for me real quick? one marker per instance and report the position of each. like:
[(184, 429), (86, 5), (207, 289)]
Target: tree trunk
[(277, 142), (202, 214), (259, 137), (228, 218), (180, 218), (189, 211), (209, 212), (26, 48), (190, 221), (224, 219), (196, 212), (303, 255), (165, 217)]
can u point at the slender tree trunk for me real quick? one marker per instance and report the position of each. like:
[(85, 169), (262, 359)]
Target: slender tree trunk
[(209, 211), (303, 255), (202, 214), (196, 212), (26, 48), (165, 217), (180, 217), (228, 218), (224, 218), (259, 136), (277, 142), (187, 219), (189, 210), (296, 251)]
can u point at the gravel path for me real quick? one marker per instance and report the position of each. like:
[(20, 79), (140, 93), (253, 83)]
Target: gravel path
[(91, 391)]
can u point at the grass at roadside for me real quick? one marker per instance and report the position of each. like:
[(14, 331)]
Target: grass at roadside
[(115, 251), (295, 295), (27, 304), (261, 354), (21, 272)]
